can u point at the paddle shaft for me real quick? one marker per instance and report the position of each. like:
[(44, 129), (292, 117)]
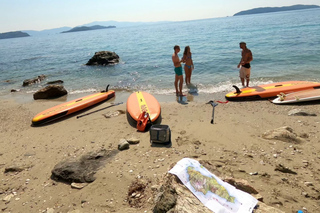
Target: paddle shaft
[(213, 104), (80, 116)]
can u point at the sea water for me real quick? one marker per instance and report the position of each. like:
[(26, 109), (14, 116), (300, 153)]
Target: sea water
[(285, 46)]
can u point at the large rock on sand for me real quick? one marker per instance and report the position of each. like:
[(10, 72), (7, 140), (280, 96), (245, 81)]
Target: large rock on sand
[(285, 134), (104, 58), (82, 170), (51, 91)]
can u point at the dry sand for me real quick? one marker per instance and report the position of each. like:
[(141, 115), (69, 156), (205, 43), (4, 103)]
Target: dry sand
[(234, 144)]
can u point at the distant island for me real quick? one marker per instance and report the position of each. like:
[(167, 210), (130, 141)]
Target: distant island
[(15, 34), (275, 9), (111, 24), (85, 28)]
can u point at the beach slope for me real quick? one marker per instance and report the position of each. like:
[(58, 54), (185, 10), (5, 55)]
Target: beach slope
[(235, 146)]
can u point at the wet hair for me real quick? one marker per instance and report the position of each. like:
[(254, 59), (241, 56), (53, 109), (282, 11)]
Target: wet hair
[(186, 50), (242, 42), (175, 47)]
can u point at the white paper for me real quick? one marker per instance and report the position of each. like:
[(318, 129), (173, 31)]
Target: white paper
[(217, 195)]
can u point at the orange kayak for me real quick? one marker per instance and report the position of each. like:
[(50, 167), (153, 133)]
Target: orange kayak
[(70, 107), (270, 90), (139, 102)]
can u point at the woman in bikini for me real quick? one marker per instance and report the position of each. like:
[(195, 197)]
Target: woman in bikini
[(188, 66)]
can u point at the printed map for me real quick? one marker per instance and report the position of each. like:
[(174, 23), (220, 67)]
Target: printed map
[(206, 184), (214, 193)]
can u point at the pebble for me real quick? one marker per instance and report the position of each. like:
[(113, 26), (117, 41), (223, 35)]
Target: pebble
[(253, 173), (50, 210), (133, 141), (123, 144), (78, 185), (308, 183), (155, 187), (8, 198)]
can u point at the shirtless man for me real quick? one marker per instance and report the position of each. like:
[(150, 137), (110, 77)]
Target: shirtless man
[(246, 58), (178, 70)]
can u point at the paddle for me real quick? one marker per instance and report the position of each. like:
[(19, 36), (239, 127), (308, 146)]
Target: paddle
[(80, 116), (213, 104)]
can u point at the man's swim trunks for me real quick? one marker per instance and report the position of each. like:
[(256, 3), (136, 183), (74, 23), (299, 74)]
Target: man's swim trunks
[(245, 72), (178, 71), (247, 65)]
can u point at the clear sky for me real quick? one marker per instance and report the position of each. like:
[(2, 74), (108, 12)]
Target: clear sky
[(16, 15)]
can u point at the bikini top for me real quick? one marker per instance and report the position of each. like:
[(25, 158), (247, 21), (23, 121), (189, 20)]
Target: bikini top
[(189, 57)]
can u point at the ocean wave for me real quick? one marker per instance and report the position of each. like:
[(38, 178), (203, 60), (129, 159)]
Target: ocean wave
[(202, 88), (89, 90), (34, 58)]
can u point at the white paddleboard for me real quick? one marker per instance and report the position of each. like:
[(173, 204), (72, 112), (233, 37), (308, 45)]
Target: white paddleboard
[(297, 97)]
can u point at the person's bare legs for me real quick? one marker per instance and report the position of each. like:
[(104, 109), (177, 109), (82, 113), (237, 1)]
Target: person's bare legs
[(248, 82), (188, 74), (180, 84), (242, 81), (176, 84)]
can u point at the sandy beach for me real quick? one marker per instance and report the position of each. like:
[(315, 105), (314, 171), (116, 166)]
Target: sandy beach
[(234, 144)]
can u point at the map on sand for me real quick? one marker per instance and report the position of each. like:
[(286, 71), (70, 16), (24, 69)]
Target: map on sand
[(214, 193)]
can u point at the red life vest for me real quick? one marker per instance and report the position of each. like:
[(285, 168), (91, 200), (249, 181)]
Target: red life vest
[(143, 121)]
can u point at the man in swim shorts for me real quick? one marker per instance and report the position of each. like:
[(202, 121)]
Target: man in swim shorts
[(246, 58), (178, 70)]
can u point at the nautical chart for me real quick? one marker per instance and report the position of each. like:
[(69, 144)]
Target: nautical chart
[(214, 193)]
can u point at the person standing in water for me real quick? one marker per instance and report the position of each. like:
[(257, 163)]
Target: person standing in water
[(188, 66), (178, 70), (244, 64)]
